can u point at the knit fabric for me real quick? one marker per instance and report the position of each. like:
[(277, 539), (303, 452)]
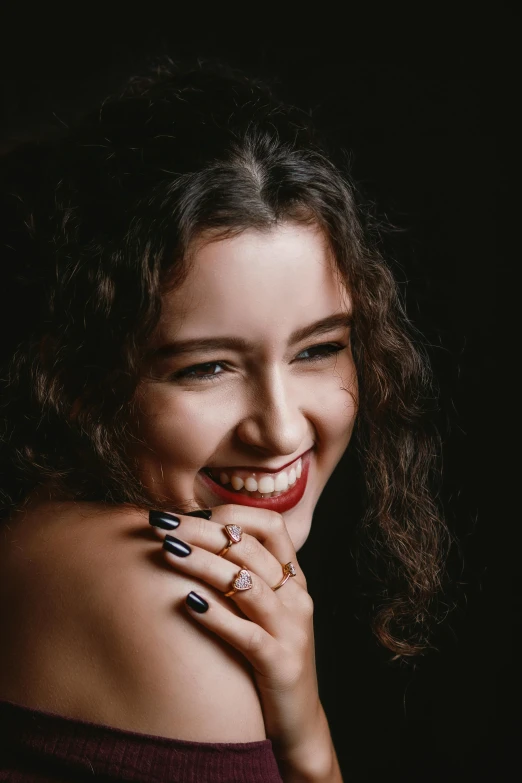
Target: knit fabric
[(39, 747)]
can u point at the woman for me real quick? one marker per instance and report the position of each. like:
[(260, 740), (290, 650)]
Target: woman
[(207, 325)]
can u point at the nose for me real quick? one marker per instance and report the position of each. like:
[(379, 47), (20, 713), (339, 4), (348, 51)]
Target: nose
[(276, 422)]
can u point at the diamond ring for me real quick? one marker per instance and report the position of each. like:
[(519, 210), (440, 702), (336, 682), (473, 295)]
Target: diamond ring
[(234, 534), (288, 571)]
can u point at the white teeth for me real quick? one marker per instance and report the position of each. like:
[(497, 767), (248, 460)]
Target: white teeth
[(281, 482), (237, 482), (266, 485)]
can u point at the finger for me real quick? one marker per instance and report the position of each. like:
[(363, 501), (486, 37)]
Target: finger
[(212, 535), (258, 646), (251, 593), (268, 527), (196, 530)]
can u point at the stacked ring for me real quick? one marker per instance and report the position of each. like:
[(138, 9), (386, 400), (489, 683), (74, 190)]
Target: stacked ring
[(288, 571), (234, 534)]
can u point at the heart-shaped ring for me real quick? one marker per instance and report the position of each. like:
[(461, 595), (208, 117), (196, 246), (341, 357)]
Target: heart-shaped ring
[(243, 581), (234, 534)]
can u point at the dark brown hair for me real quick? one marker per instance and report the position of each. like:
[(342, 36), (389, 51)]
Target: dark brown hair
[(99, 220)]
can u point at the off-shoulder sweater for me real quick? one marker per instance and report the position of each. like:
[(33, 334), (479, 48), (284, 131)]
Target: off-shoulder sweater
[(40, 747)]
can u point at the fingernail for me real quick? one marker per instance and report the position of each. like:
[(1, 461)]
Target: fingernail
[(176, 547), (196, 602), (204, 513), (163, 520)]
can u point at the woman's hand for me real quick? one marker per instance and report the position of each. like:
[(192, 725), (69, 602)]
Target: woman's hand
[(273, 629)]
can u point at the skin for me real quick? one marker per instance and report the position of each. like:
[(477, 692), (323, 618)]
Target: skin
[(268, 407), (95, 609)]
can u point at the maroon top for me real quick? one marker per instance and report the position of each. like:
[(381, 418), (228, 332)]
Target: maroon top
[(39, 747)]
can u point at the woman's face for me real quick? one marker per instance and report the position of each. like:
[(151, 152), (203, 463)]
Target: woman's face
[(250, 370)]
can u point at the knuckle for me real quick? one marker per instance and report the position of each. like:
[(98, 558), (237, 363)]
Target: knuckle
[(201, 527), (207, 562), (276, 522), (232, 513), (256, 641), (250, 545)]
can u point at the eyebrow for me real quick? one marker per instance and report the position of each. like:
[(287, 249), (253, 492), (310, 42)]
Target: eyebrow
[(176, 348)]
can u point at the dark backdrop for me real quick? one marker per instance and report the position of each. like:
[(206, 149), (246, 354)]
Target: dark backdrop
[(417, 120)]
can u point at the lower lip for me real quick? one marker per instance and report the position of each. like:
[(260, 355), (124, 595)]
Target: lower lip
[(283, 502)]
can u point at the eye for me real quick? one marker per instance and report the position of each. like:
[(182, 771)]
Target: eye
[(208, 371), (198, 372), (325, 351)]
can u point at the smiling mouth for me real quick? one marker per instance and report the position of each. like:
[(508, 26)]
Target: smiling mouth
[(243, 491), (294, 478), (257, 483)]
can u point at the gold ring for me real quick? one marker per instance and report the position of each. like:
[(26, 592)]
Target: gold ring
[(234, 534), (288, 571), (243, 581)]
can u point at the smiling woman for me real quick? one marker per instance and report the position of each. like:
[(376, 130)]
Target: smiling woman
[(275, 395), (207, 327)]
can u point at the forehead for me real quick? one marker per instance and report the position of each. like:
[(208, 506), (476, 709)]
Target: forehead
[(258, 281)]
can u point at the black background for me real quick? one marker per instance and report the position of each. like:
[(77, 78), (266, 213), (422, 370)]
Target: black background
[(416, 115)]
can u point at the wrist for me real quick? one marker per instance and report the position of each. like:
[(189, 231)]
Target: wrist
[(316, 769), (314, 759)]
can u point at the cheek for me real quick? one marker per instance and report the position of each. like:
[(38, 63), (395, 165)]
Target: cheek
[(178, 427), (184, 428), (337, 402)]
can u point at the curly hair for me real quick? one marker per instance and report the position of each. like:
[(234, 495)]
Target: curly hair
[(98, 223)]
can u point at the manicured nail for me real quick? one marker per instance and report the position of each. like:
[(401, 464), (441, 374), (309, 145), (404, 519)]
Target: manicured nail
[(196, 602), (163, 520), (204, 513), (176, 547)]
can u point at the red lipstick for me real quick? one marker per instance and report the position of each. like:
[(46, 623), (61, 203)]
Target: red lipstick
[(283, 502)]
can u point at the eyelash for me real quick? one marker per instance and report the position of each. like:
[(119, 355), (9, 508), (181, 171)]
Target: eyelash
[(186, 373)]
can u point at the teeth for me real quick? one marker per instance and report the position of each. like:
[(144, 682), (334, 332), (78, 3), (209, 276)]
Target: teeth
[(281, 482), (266, 485), (237, 482)]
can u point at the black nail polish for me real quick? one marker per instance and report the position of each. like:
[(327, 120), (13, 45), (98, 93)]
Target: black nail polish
[(204, 513), (176, 547), (163, 520), (196, 602)]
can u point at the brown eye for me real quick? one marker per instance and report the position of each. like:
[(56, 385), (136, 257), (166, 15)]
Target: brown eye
[(199, 371), (324, 351)]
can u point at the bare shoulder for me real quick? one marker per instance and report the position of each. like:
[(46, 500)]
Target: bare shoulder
[(97, 630)]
